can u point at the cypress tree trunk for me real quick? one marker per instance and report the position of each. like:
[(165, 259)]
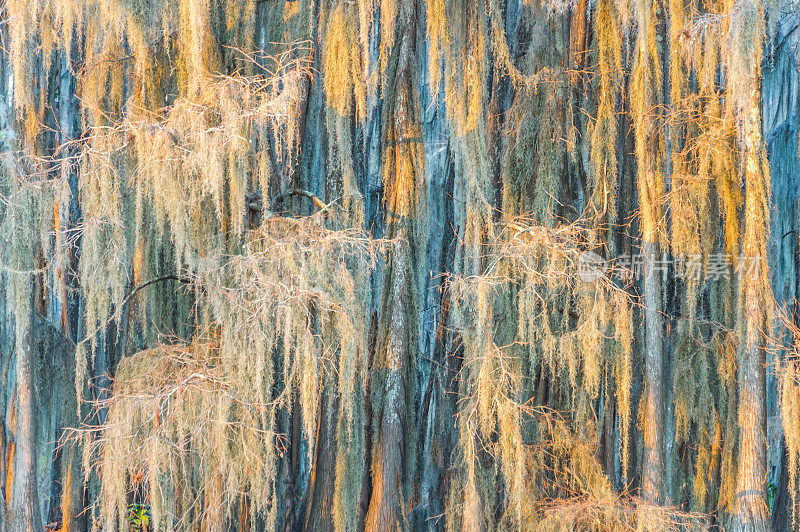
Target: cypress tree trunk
[(653, 463), (385, 509), (750, 511), (393, 359), (645, 102), (319, 514), (24, 514)]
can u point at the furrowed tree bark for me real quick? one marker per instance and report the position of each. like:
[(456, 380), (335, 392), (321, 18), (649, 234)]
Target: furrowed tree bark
[(646, 98), (319, 513), (24, 514), (403, 168), (750, 511), (780, 77), (653, 431), (385, 509)]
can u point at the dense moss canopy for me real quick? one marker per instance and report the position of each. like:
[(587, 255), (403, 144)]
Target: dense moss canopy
[(389, 264)]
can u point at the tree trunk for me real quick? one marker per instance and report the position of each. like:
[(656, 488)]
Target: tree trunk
[(385, 508), (319, 514), (653, 431), (646, 100), (750, 511), (24, 513), (401, 174)]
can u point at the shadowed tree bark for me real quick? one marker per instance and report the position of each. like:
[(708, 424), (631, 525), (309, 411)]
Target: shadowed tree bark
[(404, 169), (319, 513), (24, 514)]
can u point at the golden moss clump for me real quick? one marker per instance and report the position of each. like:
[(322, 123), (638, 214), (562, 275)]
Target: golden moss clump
[(199, 419), (645, 110), (790, 410), (343, 63), (604, 132), (180, 429), (458, 35), (190, 168), (585, 355)]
